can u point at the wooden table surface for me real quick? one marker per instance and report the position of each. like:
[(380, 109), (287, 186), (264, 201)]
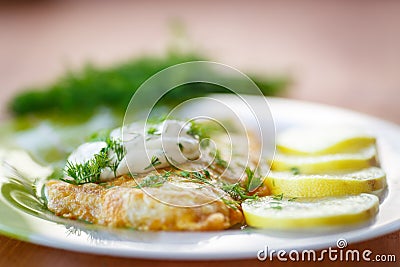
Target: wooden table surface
[(343, 53)]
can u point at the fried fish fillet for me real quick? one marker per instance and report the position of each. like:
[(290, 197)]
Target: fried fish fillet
[(172, 206), (175, 205)]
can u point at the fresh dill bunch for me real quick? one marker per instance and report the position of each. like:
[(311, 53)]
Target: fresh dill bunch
[(89, 171), (91, 87)]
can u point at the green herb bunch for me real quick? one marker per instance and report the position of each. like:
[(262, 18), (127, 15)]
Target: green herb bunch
[(93, 87), (89, 171)]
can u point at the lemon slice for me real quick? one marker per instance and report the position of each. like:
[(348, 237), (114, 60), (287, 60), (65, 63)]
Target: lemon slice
[(277, 213), (325, 163), (321, 185), (322, 141)]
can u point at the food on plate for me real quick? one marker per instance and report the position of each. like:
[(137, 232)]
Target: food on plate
[(324, 175), (323, 140), (320, 185), (169, 176), (154, 179), (325, 163), (279, 212), (123, 203)]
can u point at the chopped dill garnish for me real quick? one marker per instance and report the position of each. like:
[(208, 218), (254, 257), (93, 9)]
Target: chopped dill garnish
[(152, 130), (278, 197), (219, 161), (295, 170), (180, 147), (233, 204), (185, 173), (157, 119), (276, 204), (252, 181), (89, 171), (117, 147), (154, 180), (155, 161), (201, 177), (197, 131), (276, 207), (237, 192), (100, 135)]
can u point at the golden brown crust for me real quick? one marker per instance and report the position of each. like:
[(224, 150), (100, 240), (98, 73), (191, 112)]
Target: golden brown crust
[(123, 205)]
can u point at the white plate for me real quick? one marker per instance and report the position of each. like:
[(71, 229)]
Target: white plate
[(20, 219)]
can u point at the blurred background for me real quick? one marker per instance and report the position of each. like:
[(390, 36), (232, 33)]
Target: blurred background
[(345, 53)]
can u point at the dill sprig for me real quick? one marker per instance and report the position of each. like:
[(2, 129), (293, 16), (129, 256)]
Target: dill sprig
[(152, 130), (295, 170), (277, 204), (155, 161), (117, 147), (89, 171), (219, 161), (233, 204), (201, 177), (119, 150), (198, 131), (237, 192), (252, 181), (278, 197), (154, 180)]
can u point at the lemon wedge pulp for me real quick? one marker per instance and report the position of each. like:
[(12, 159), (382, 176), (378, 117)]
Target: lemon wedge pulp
[(285, 213)]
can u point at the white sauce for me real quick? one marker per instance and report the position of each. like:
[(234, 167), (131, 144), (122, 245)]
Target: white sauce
[(85, 152), (170, 143)]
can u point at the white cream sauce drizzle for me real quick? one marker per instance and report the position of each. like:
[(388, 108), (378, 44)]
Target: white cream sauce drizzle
[(170, 143)]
